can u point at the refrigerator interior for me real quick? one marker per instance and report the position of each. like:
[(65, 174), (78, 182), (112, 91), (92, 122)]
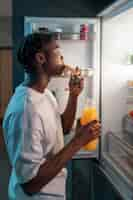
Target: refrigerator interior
[(76, 52), (117, 45), (117, 70)]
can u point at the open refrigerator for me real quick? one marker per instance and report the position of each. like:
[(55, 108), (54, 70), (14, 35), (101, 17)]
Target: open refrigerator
[(105, 54)]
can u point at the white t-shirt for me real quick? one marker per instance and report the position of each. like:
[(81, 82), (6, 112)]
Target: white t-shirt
[(33, 133)]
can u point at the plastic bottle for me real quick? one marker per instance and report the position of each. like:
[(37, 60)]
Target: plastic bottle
[(89, 114), (84, 30)]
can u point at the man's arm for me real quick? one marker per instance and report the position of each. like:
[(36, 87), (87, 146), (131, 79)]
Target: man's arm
[(50, 168), (69, 114)]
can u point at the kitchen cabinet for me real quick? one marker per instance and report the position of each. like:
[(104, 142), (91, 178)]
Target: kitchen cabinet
[(5, 85)]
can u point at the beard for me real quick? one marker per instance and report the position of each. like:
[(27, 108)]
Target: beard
[(52, 71), (59, 69)]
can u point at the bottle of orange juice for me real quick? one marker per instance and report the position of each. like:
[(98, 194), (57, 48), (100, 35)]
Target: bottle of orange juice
[(89, 114)]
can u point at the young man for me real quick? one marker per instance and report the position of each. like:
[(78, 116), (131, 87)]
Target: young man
[(33, 126)]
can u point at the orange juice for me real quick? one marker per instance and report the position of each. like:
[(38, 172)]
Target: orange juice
[(89, 114)]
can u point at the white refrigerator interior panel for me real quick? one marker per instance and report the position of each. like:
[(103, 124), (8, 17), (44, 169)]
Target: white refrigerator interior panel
[(82, 53), (76, 53), (117, 44)]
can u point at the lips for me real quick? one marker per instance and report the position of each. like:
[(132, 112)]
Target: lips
[(60, 69)]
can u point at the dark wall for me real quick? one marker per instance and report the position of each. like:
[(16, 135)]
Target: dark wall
[(90, 183), (101, 5), (54, 8), (18, 34)]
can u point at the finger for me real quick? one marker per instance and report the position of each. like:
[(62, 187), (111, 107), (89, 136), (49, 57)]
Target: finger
[(81, 78), (70, 80), (75, 90), (95, 134), (77, 70), (92, 129), (93, 137), (78, 125), (82, 83), (91, 123), (97, 125)]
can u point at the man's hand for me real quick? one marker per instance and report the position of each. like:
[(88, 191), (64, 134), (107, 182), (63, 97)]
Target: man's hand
[(87, 133), (76, 83)]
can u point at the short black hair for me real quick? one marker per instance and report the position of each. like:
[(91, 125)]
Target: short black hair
[(31, 44)]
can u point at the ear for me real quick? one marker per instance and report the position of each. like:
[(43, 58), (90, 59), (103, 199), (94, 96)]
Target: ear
[(40, 58)]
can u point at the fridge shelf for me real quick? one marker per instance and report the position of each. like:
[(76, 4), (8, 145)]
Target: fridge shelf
[(120, 152), (75, 36)]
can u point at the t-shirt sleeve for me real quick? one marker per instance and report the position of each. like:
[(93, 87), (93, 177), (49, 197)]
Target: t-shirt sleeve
[(29, 146)]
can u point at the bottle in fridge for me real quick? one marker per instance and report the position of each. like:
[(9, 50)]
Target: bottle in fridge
[(89, 114)]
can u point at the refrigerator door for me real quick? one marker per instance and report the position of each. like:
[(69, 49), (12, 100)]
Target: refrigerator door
[(116, 47), (77, 51)]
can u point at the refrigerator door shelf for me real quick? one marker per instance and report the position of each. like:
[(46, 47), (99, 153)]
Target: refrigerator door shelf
[(117, 161), (76, 36), (118, 179), (86, 154), (64, 35), (130, 100)]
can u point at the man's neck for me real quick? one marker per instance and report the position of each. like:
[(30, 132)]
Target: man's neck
[(38, 83)]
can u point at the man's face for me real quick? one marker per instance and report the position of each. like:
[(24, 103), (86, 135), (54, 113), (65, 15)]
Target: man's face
[(54, 64)]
